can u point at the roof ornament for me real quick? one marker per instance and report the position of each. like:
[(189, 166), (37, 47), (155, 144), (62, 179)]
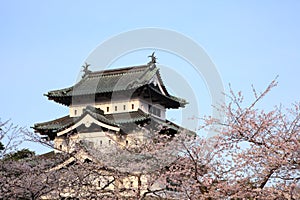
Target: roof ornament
[(153, 58), (85, 69)]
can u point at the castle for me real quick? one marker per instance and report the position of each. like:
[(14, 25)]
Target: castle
[(104, 104)]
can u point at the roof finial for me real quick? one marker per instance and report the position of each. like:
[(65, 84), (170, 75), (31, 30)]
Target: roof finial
[(153, 58), (86, 69)]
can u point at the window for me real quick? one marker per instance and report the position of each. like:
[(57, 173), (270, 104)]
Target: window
[(158, 112), (126, 142), (109, 142), (153, 110), (116, 108), (60, 146), (75, 112), (107, 109), (100, 142), (99, 183), (124, 107), (132, 106)]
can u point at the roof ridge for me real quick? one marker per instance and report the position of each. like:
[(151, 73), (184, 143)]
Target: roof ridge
[(119, 70), (112, 74), (97, 114), (134, 111), (162, 82), (96, 74), (94, 109)]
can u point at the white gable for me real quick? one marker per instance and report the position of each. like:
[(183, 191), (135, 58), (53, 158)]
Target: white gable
[(87, 121), (156, 82)]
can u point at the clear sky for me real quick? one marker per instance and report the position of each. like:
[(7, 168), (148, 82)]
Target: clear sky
[(44, 44)]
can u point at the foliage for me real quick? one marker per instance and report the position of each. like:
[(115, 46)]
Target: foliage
[(20, 154)]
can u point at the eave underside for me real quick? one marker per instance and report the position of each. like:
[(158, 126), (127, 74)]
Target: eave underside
[(149, 93)]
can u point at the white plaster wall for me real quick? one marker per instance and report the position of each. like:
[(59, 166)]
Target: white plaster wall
[(120, 106), (100, 140), (144, 106), (77, 110)]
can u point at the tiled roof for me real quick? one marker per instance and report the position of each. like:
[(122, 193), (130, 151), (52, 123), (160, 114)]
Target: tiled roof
[(123, 118), (117, 119), (103, 83), (67, 121), (109, 81), (181, 102), (111, 119), (56, 125), (97, 114)]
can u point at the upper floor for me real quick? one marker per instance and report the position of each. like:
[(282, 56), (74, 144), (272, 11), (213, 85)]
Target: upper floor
[(121, 106), (117, 90)]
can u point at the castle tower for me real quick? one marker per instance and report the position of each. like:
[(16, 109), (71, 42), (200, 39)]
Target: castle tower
[(112, 105)]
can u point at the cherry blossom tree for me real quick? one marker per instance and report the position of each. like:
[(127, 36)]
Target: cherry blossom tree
[(255, 155), (11, 136), (23, 175)]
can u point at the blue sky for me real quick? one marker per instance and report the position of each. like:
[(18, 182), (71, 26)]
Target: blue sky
[(44, 43)]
